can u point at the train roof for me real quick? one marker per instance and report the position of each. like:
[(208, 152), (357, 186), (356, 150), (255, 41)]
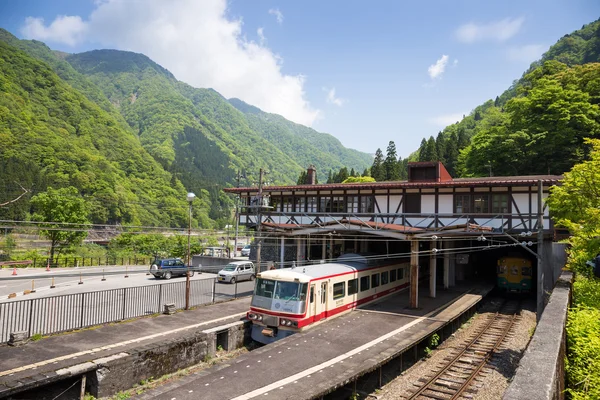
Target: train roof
[(347, 263)]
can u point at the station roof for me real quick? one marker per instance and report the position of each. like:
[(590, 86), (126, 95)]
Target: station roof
[(527, 180)]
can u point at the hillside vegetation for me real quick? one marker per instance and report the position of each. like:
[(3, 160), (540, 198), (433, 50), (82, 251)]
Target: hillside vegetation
[(52, 135), (132, 139), (536, 126)]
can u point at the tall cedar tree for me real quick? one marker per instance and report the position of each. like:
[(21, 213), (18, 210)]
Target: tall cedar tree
[(377, 170), (392, 172)]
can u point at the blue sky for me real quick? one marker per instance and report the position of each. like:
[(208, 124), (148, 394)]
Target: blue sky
[(365, 72)]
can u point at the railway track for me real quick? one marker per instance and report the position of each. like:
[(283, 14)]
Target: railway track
[(453, 379)]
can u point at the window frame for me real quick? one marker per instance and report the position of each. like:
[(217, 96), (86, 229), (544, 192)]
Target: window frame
[(337, 286)]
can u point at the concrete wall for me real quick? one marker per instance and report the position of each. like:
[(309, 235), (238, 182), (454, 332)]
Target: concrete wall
[(541, 372), (156, 360)]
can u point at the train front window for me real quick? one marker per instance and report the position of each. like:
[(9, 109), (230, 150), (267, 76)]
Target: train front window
[(264, 288), (526, 271), (290, 291)]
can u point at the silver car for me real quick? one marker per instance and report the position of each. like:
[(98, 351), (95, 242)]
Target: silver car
[(246, 251), (237, 271)]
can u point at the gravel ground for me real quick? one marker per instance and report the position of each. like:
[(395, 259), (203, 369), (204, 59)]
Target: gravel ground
[(489, 386)]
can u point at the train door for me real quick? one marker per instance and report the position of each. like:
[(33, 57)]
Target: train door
[(313, 301), (323, 304)]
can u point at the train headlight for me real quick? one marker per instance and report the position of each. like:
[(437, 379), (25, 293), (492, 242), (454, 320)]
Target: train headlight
[(255, 317)]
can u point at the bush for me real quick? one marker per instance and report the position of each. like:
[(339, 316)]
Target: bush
[(583, 340)]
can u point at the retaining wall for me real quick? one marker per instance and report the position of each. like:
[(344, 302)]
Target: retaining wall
[(541, 372)]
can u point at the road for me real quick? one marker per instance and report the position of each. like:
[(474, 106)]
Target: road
[(67, 281)]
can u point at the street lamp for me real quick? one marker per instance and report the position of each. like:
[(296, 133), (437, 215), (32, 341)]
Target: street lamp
[(190, 198)]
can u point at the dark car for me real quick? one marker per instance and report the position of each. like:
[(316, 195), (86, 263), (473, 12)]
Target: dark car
[(169, 267)]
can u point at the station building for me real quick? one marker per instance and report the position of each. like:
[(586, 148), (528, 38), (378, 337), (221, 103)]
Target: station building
[(450, 229)]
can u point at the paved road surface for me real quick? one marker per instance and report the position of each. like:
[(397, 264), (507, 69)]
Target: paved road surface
[(66, 281)]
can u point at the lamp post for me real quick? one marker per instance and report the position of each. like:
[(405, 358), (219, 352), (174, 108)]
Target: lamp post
[(190, 198)]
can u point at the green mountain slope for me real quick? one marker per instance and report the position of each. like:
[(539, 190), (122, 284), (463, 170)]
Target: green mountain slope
[(132, 81), (307, 145), (52, 135)]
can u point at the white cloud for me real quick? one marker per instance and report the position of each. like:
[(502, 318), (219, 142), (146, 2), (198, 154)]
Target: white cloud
[(527, 53), (455, 63), (197, 42), (64, 29), (447, 119), (499, 31), (277, 14), (331, 99), (436, 70), (261, 35)]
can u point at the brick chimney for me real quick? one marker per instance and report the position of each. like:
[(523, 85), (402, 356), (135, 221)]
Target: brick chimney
[(311, 175)]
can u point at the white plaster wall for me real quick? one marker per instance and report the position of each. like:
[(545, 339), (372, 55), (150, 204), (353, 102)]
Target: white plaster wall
[(522, 201), (381, 201), (445, 205), (427, 203), (394, 201)]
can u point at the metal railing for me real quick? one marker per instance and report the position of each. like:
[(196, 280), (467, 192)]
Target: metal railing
[(48, 315)]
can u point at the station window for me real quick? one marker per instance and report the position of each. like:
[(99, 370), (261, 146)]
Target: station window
[(481, 203), (300, 204), (364, 283), (287, 204), (374, 280), (400, 273), (353, 204), (311, 204), (393, 275), (500, 203), (384, 278), (339, 290), (352, 286), (462, 203)]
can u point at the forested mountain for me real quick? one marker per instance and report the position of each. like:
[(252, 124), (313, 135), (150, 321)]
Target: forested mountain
[(51, 135), (307, 145), (536, 126), (278, 145), (195, 139)]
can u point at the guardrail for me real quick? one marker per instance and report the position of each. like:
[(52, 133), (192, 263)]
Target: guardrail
[(48, 315)]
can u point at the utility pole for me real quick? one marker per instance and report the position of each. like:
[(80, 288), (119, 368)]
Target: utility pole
[(540, 254), (259, 220), (237, 215)]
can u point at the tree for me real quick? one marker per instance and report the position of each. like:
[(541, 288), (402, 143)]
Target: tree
[(63, 214), (390, 165), (575, 204), (302, 178), (377, 170)]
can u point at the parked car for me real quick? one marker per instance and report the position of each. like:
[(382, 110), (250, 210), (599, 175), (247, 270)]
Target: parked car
[(237, 271), (246, 251), (169, 267)]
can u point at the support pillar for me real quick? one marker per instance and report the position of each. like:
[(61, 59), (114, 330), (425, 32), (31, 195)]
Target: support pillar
[(324, 249), (282, 253), (446, 265), (300, 250), (432, 269), (414, 273), (330, 255)]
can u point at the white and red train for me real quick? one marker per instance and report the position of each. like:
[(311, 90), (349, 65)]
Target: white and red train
[(286, 301)]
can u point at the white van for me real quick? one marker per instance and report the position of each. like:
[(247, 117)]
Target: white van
[(237, 271)]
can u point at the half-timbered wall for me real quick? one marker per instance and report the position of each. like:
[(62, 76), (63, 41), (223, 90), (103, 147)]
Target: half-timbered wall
[(502, 207)]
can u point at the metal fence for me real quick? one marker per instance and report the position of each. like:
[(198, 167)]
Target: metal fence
[(48, 315)]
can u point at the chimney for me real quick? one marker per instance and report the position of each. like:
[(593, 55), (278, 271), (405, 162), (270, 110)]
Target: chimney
[(311, 175)]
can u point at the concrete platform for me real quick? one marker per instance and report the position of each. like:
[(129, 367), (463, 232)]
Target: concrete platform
[(70, 354), (311, 364)]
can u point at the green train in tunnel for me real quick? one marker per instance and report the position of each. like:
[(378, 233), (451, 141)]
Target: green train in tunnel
[(514, 274)]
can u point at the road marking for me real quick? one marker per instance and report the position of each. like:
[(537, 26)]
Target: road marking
[(112, 346), (318, 368)]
